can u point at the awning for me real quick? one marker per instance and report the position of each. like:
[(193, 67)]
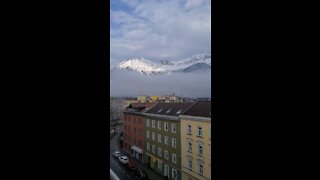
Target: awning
[(136, 149)]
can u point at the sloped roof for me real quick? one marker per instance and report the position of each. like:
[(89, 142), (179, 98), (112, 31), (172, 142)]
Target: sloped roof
[(169, 109), (139, 107), (200, 109)]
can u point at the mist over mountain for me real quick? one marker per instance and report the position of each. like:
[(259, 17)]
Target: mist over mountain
[(189, 77)]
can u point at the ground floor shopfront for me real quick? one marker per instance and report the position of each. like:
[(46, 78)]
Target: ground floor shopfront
[(137, 153), (162, 167), (191, 175)]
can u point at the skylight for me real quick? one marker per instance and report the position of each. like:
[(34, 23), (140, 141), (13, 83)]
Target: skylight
[(160, 110), (169, 110)]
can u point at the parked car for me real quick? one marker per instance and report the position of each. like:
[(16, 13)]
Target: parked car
[(116, 154), (132, 166), (123, 159)]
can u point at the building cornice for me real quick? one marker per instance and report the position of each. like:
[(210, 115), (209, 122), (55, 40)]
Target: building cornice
[(162, 116), (195, 118), (135, 113)]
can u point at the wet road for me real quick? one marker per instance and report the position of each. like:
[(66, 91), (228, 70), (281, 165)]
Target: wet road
[(122, 172)]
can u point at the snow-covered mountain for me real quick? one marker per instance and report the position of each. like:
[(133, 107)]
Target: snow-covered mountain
[(195, 63)]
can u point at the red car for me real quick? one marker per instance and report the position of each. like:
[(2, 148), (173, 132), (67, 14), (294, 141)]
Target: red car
[(131, 165)]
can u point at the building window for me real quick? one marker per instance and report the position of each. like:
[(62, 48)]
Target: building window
[(190, 147), (166, 126), (148, 146), (153, 136), (200, 149), (159, 138), (166, 140), (154, 149), (148, 134), (148, 122), (173, 142), (129, 129), (159, 152), (159, 124), (160, 166), (200, 168), (210, 133), (174, 158), (190, 163), (174, 174), (189, 130), (173, 128), (166, 155), (200, 131), (153, 124)]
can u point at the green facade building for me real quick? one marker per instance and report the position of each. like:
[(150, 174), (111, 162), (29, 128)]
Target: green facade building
[(162, 147)]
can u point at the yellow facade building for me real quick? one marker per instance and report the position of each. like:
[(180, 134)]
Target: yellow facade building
[(154, 98), (196, 142)]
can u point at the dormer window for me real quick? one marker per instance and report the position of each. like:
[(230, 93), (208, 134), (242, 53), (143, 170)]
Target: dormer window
[(159, 111), (168, 111), (178, 112)]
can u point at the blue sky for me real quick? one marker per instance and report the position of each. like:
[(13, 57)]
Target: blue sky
[(159, 29)]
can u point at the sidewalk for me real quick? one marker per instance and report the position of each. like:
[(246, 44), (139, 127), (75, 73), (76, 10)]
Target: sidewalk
[(151, 173)]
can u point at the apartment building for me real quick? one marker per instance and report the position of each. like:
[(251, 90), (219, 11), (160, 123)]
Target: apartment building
[(162, 138), (154, 98), (133, 129), (143, 98), (196, 142)]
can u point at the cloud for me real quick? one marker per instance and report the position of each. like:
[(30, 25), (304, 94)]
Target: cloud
[(193, 3), (128, 83), (161, 29)]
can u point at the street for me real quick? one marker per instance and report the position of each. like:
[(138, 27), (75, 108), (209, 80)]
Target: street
[(121, 171)]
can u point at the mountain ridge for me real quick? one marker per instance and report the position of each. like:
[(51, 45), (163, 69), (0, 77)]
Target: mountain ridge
[(147, 67)]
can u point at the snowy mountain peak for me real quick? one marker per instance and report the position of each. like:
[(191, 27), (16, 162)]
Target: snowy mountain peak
[(141, 65), (144, 66)]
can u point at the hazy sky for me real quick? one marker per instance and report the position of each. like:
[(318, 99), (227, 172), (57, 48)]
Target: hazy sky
[(159, 29), (129, 83)]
